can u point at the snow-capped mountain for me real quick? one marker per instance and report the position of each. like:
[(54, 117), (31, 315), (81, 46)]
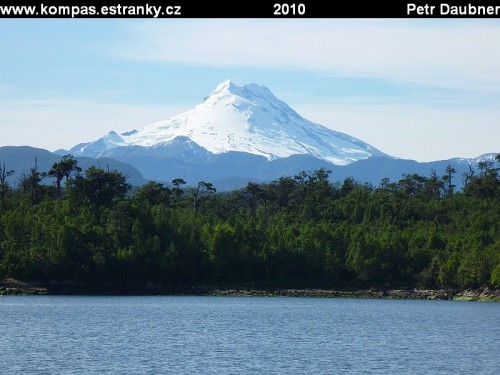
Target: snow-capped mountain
[(248, 119), (490, 157)]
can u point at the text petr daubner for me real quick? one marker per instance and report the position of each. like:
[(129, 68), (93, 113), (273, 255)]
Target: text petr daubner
[(445, 9)]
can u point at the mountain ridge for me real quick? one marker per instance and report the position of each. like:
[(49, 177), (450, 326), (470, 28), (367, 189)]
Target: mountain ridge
[(234, 170)]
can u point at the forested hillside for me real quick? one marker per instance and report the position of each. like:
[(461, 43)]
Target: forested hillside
[(89, 228)]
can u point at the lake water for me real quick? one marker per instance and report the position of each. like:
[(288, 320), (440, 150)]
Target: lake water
[(247, 335)]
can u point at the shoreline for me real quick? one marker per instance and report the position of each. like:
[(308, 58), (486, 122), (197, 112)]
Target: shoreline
[(16, 287), (482, 294)]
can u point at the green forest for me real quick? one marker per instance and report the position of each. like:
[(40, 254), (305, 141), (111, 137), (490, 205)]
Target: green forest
[(92, 229)]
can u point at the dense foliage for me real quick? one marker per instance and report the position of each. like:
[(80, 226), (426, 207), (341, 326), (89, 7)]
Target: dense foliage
[(88, 228)]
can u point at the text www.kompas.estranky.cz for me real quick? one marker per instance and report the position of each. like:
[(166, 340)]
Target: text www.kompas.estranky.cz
[(118, 10)]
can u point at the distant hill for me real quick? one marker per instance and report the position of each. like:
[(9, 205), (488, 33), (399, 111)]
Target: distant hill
[(233, 170), (22, 158)]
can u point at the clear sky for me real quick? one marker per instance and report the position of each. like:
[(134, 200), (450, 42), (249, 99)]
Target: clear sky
[(416, 89)]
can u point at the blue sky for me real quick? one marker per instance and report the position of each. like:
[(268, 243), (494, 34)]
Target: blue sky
[(417, 89)]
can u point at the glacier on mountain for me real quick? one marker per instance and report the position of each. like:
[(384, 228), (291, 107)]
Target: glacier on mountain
[(248, 119)]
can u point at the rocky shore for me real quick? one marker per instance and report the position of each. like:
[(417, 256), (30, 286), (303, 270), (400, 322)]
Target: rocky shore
[(484, 294), (16, 287)]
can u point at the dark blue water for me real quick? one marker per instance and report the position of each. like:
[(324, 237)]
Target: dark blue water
[(223, 335)]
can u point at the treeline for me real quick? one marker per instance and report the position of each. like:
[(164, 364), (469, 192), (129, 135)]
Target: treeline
[(88, 228)]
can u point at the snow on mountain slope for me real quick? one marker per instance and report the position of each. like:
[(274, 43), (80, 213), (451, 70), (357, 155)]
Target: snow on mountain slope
[(490, 157), (247, 119)]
